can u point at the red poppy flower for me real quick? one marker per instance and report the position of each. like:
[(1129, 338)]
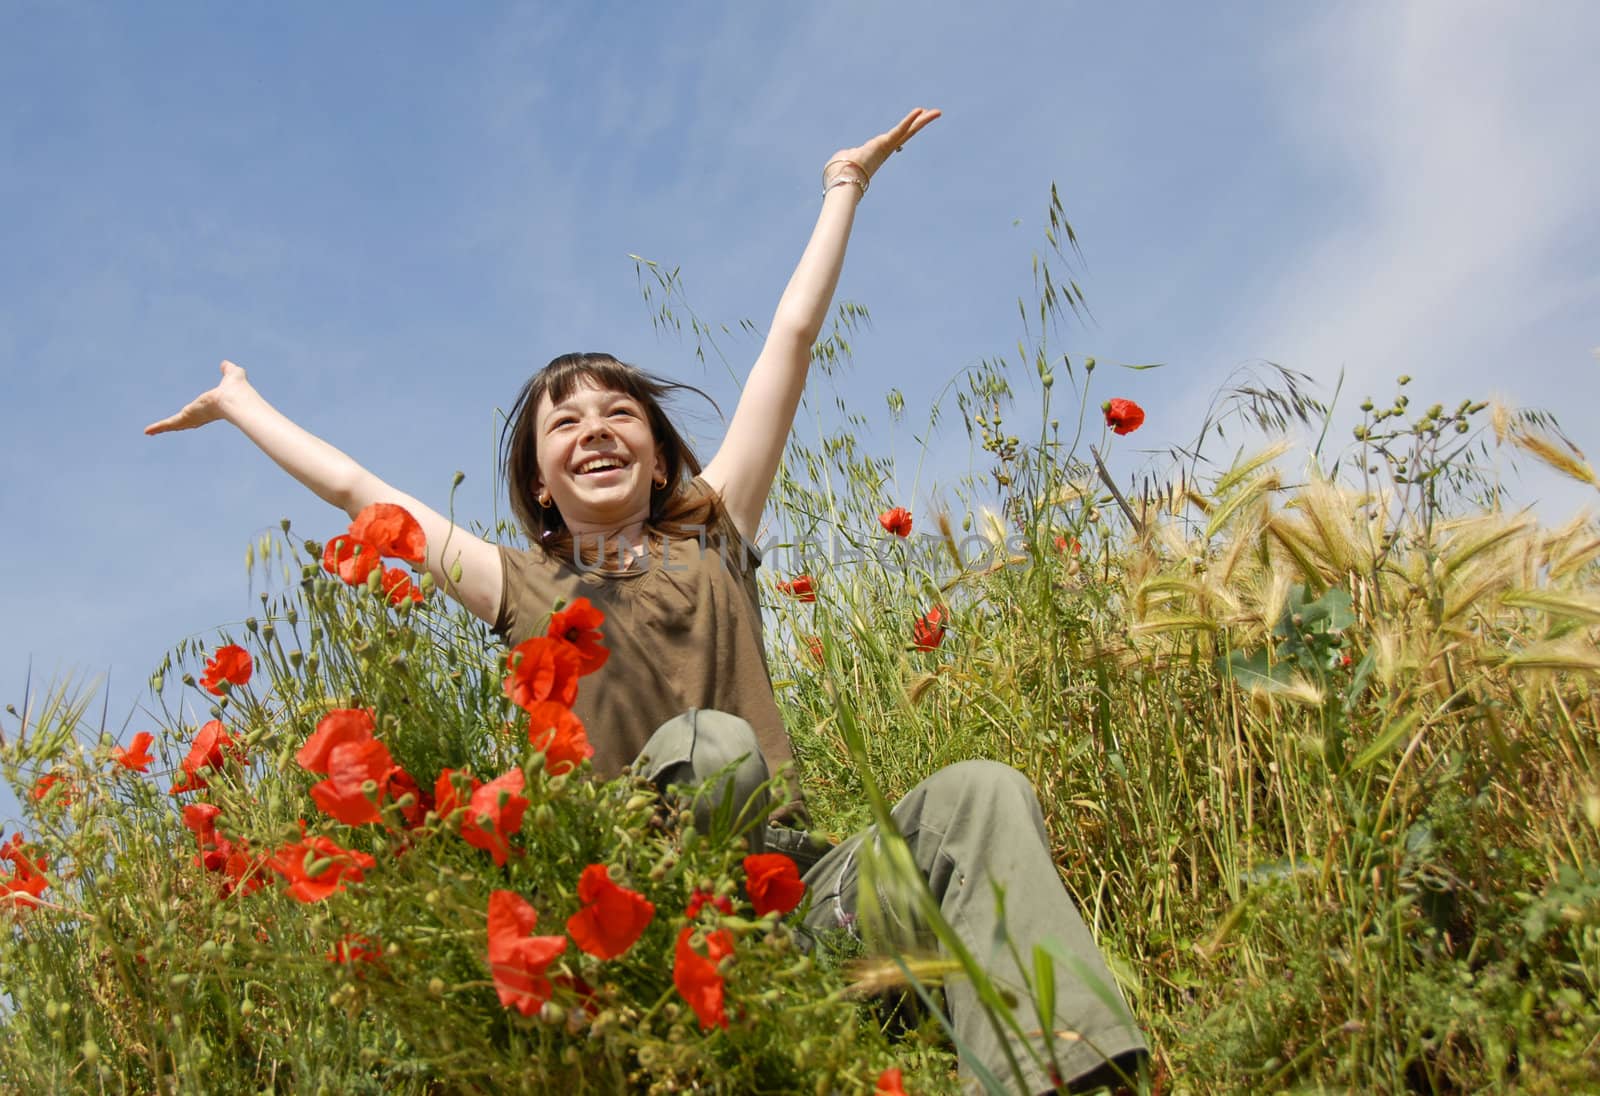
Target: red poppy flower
[(212, 743), (398, 587), (351, 559), (583, 991), (818, 654), (446, 800), (316, 868), (889, 1084), (699, 899), (137, 756), (20, 889), (351, 767), (352, 947), (517, 959), (246, 873), (402, 784), (553, 729), (392, 531), (1064, 546), (696, 976), (612, 917), (1123, 416), (542, 668), (896, 521), (773, 882), (338, 726), (801, 588), (231, 664), (579, 625), (201, 820), (42, 786), (494, 813), (928, 631)]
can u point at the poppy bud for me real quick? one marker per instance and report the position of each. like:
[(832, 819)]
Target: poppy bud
[(188, 679), (637, 802), (552, 1013), (1088, 365), (455, 480), (247, 1007), (435, 987)]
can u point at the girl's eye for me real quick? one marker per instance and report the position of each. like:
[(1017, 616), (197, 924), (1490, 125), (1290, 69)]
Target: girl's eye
[(625, 411)]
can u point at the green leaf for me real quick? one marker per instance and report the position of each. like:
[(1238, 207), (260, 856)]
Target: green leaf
[(1390, 737), (1254, 671)]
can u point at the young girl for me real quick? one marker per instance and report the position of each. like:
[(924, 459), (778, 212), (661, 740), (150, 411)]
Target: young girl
[(620, 511)]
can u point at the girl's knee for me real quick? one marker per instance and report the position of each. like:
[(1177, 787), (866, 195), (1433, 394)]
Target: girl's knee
[(981, 778)]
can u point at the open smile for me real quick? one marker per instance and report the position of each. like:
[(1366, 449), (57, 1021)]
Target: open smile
[(600, 465)]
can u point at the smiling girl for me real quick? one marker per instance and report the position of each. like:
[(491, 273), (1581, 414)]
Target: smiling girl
[(619, 510)]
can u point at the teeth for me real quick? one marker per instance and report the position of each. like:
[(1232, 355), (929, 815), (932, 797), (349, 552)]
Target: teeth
[(598, 464)]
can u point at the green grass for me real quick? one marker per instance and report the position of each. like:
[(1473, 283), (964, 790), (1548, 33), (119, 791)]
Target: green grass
[(1318, 762)]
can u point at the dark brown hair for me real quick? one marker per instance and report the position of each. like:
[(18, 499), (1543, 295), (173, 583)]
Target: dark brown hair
[(677, 510)]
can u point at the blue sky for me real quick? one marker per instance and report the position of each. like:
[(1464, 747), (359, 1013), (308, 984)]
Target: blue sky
[(391, 216)]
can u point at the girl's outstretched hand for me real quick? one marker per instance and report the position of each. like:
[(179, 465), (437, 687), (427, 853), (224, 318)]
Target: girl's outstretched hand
[(871, 155), (207, 406)]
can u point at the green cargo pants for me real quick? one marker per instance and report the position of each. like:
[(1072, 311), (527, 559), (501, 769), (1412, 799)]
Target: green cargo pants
[(970, 827)]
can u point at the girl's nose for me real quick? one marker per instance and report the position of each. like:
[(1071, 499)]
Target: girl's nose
[(596, 427)]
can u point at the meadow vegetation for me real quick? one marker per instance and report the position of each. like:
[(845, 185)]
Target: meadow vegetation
[(1314, 731)]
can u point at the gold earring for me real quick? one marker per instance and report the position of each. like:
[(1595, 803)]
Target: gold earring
[(545, 500), (661, 480)]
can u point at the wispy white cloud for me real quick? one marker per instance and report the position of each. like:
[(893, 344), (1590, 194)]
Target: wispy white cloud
[(1452, 130)]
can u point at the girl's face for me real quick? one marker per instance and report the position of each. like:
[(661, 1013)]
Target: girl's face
[(598, 458)]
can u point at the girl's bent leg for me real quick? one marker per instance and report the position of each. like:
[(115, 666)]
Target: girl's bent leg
[(693, 748), (972, 827)]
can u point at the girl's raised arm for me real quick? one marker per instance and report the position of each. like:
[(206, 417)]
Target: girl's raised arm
[(337, 479), (744, 466)]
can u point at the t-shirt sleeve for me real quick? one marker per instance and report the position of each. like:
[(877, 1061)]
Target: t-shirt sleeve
[(513, 585), (728, 533)]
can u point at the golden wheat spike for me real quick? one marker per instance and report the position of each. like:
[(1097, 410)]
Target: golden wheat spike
[(1329, 513), (1570, 654), (1475, 585), (1241, 499), (1562, 458), (1473, 537), (871, 977), (1555, 603), (1244, 466), (1292, 540)]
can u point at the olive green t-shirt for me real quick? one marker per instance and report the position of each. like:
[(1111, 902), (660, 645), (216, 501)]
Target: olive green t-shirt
[(684, 631)]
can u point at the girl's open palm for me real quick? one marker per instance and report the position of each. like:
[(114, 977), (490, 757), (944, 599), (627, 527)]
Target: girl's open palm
[(206, 407), (873, 153)]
